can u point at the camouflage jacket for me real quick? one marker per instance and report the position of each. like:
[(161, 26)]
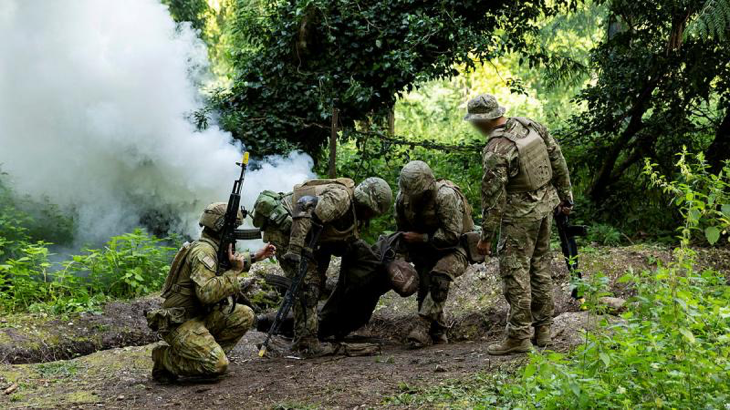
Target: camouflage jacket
[(441, 218), (500, 163), (198, 277)]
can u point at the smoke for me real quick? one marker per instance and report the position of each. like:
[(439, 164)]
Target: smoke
[(93, 103)]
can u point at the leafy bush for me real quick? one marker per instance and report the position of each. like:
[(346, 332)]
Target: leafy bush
[(129, 265)]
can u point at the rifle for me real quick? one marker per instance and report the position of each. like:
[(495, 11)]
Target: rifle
[(569, 246), (229, 233), (291, 293)]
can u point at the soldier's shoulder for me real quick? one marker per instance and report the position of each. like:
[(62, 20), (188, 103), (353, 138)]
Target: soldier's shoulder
[(517, 124), (499, 145), (446, 191), (204, 251)]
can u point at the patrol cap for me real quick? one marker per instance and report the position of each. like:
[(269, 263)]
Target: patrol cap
[(483, 107)]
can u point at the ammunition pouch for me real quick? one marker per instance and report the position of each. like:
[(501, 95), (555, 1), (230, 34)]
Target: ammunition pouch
[(165, 320), (469, 242)]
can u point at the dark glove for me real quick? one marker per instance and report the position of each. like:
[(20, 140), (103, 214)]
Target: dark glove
[(292, 258)]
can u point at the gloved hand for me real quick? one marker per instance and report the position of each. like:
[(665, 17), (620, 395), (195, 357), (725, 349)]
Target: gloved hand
[(292, 257)]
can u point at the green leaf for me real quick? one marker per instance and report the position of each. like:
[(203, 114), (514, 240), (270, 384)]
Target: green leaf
[(530, 370), (605, 359), (712, 234), (688, 335), (726, 210)]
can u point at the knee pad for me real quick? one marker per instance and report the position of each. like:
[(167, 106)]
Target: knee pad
[(439, 288)]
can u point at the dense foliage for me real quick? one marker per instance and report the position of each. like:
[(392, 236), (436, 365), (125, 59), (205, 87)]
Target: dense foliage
[(130, 265), (310, 57)]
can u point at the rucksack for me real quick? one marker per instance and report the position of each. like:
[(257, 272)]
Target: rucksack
[(270, 210)]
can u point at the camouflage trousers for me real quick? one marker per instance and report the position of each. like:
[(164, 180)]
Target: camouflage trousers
[(524, 265), (199, 346), (306, 321), (435, 276)]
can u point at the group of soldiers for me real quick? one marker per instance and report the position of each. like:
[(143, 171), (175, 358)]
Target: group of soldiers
[(525, 180)]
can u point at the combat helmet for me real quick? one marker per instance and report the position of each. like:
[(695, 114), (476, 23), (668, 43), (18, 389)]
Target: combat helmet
[(416, 178), (375, 194), (213, 216)]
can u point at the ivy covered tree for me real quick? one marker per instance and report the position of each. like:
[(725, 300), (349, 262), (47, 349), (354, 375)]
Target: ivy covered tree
[(657, 89), (312, 56)]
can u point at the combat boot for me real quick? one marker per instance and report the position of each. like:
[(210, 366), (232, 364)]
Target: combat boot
[(419, 336), (438, 334), (542, 336), (311, 348), (510, 346), (159, 373)]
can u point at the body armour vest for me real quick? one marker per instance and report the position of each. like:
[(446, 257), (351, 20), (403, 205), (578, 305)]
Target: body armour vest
[(535, 168), (425, 219), (179, 290), (342, 229)]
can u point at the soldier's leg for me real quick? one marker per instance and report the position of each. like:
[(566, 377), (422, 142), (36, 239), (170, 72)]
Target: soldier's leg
[(541, 283), (228, 328), (419, 334), (192, 351), (443, 273), (514, 268), (305, 311)]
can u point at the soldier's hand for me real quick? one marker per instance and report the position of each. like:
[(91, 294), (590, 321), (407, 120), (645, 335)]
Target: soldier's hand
[(414, 237), (484, 248), (565, 207), (266, 252), (236, 259), (291, 257)]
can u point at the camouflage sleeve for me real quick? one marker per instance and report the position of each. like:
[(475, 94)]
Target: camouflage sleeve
[(498, 155), (451, 214), (209, 287), (561, 176), (400, 220), (333, 203)]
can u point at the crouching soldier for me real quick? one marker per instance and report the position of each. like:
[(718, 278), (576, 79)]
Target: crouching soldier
[(199, 320), (338, 209), (433, 215)]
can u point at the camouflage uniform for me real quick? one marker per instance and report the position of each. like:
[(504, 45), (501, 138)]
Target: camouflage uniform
[(524, 217), (439, 211), (196, 319), (336, 211)]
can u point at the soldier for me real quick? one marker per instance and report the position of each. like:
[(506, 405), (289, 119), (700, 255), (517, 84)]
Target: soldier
[(525, 178), (341, 209), (433, 215), (199, 320)]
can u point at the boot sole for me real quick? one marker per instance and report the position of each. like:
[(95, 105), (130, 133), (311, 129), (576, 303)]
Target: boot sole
[(508, 352)]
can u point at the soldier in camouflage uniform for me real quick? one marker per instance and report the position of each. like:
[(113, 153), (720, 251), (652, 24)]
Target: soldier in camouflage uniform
[(198, 319), (433, 215), (525, 179), (341, 209)]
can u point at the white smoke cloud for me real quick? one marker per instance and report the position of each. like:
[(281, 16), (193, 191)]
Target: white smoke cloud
[(93, 98)]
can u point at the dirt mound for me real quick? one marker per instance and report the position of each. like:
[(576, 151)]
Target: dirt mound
[(37, 338)]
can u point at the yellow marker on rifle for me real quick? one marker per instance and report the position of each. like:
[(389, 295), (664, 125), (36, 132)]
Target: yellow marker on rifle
[(244, 160), (262, 352)]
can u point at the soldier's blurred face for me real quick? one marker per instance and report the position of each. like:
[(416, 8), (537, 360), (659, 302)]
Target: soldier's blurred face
[(485, 127)]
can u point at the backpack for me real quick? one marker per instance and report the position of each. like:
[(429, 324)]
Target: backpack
[(270, 210)]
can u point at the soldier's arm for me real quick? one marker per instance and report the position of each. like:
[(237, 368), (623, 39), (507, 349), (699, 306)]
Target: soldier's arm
[(496, 165), (210, 288), (333, 204), (400, 220), (451, 215), (561, 176)]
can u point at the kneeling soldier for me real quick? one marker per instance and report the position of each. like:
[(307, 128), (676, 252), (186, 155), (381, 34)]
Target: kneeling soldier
[(199, 320)]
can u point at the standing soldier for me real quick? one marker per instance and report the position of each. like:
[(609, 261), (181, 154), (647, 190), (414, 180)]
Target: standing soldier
[(199, 319), (340, 209), (433, 215), (525, 178)]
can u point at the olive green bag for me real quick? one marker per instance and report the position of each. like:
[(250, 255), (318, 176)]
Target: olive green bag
[(269, 210)]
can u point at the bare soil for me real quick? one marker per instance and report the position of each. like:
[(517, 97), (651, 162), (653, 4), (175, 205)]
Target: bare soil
[(120, 376)]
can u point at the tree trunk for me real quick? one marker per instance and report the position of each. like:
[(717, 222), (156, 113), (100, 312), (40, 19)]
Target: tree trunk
[(332, 172), (719, 150)]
